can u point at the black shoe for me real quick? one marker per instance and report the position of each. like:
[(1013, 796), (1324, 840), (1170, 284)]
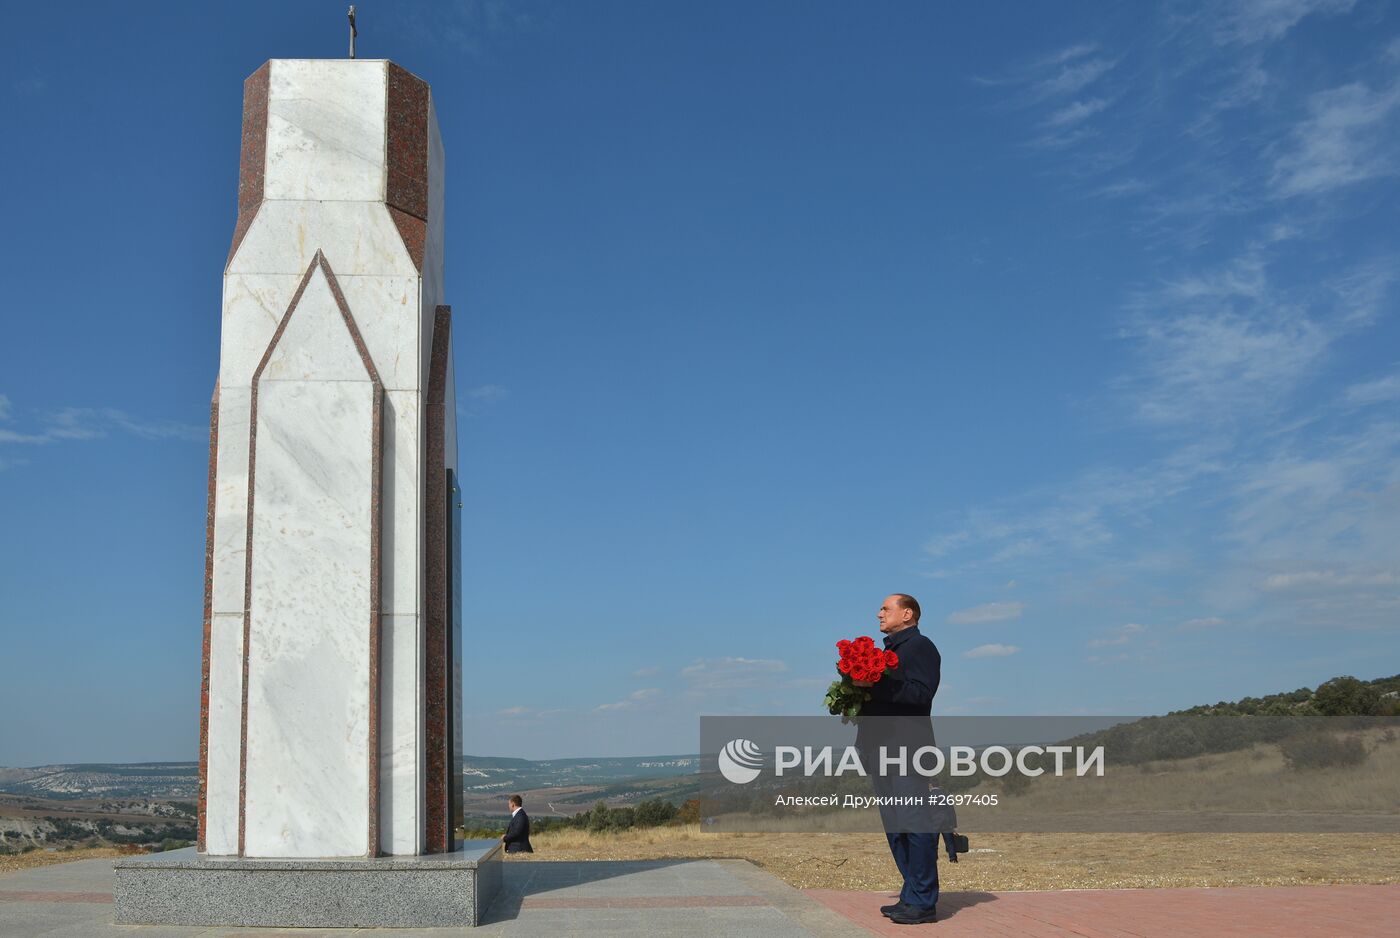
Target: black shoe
[(888, 910), (913, 915)]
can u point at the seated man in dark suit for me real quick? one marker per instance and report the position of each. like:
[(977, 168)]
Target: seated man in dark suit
[(517, 835)]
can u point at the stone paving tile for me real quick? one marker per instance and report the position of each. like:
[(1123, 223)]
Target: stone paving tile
[(23, 895), (594, 899), (204, 932), (690, 923), (23, 919), (642, 902), (1232, 912), (80, 876), (607, 877)]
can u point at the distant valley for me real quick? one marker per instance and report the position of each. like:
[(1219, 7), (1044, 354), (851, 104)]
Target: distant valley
[(151, 803)]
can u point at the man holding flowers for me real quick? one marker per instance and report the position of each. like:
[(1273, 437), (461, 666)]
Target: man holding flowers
[(904, 692)]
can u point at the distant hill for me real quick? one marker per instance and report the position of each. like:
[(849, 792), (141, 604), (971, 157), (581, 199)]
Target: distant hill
[(143, 781), (486, 774), (1353, 704), (1341, 696), (482, 776)]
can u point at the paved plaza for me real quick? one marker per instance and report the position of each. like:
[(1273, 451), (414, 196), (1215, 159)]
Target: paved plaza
[(597, 898), (734, 898), (1233, 912)]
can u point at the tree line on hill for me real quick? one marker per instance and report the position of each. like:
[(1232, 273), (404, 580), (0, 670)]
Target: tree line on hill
[(654, 812), (1289, 720), (1344, 696)]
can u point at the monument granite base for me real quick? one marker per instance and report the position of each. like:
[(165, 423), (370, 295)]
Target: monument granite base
[(181, 887)]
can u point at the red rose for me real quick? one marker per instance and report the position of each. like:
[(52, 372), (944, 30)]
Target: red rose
[(891, 660), (843, 647), (843, 666)]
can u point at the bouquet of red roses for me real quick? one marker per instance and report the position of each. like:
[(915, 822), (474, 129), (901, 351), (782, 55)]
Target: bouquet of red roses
[(859, 660)]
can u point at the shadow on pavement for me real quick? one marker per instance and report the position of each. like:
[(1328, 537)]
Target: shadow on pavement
[(951, 903), (521, 879)]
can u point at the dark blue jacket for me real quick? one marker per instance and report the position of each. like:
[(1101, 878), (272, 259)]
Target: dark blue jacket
[(908, 690)]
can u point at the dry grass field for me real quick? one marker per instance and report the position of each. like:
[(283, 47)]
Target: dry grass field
[(24, 861), (1016, 861)]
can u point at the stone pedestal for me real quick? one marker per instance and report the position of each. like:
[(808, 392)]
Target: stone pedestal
[(184, 888)]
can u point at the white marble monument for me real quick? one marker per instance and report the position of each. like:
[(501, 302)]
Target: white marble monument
[(330, 714)]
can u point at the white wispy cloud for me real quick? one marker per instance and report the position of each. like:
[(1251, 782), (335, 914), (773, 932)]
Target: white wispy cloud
[(1308, 530), (1377, 391), (1068, 54), (1304, 579), (1240, 171), (1348, 137), (1122, 635), (1112, 659), (1051, 86), (721, 674), (1204, 622), (1072, 77), (987, 612), (1226, 343), (634, 699), (92, 423), (488, 393), (1076, 112), (945, 543), (991, 651), (1122, 188), (1175, 119), (1254, 21), (477, 28), (1212, 365), (1079, 517)]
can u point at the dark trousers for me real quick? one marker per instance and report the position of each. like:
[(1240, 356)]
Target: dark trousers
[(912, 837), (916, 855)]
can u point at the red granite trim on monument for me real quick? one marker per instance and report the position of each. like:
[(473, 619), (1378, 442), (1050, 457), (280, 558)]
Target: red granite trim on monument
[(437, 692), (252, 158), (208, 622), (376, 510), (437, 360), (414, 232), (406, 142)]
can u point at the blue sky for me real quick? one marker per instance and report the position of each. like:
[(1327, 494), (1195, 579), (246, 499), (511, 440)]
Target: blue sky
[(1077, 322)]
